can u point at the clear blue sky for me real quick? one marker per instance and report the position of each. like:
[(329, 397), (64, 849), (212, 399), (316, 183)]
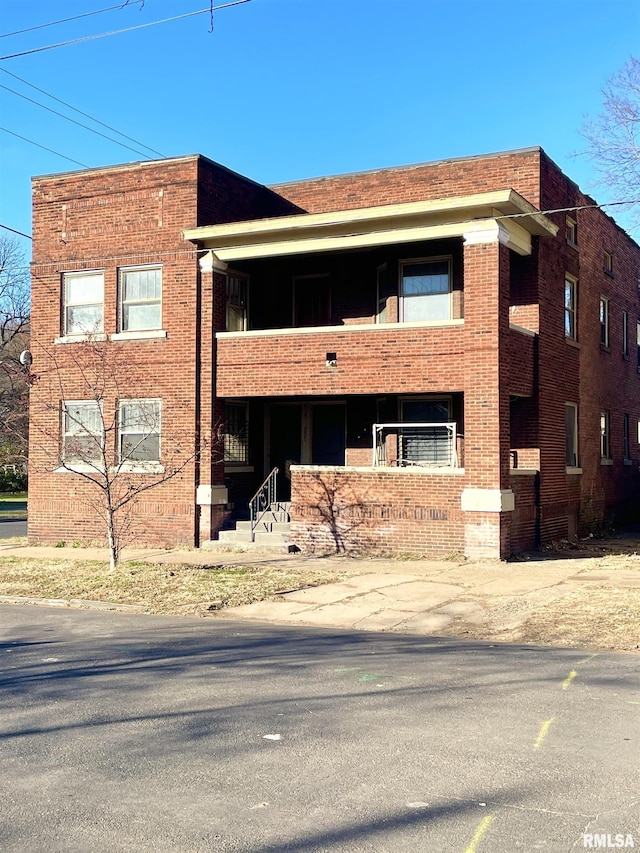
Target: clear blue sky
[(288, 89)]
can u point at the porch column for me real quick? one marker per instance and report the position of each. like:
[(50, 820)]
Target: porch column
[(487, 499), (211, 493)]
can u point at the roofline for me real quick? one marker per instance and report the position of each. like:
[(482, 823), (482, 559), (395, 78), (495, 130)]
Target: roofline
[(410, 166)]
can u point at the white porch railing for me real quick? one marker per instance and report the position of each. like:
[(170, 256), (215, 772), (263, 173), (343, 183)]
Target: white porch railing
[(422, 445)]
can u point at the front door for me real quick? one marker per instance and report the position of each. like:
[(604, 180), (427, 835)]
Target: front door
[(285, 444), (328, 442)]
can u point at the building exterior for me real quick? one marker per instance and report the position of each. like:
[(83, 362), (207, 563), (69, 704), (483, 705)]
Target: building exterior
[(437, 358)]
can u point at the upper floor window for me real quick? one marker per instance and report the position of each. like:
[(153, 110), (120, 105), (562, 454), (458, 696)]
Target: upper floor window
[(570, 305), (82, 433), (139, 430), (426, 289), (140, 299), (572, 231), (608, 263), (236, 319), (83, 298), (604, 321)]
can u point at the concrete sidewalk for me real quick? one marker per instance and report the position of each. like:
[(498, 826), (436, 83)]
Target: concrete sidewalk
[(456, 598)]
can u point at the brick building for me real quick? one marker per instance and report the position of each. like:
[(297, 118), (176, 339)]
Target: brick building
[(437, 358)]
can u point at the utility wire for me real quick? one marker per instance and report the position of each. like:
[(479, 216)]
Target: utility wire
[(6, 227), (44, 148), (80, 112), (66, 20), (195, 250), (208, 10), (73, 121)]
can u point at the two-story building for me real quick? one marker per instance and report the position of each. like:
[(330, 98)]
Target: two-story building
[(436, 358)]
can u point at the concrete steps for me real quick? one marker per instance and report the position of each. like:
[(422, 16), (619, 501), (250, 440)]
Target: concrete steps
[(271, 533)]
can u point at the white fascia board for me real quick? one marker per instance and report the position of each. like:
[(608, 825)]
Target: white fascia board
[(373, 219)]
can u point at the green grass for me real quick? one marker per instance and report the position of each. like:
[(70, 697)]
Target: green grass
[(13, 505)]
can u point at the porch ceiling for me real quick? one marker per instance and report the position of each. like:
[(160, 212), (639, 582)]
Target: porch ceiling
[(373, 226)]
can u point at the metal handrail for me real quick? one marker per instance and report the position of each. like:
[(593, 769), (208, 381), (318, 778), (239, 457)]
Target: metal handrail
[(263, 498)]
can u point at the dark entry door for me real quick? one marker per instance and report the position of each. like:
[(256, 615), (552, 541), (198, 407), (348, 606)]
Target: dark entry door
[(285, 444), (328, 435)]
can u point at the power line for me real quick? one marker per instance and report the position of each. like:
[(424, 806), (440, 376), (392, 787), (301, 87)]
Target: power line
[(73, 121), (44, 148), (6, 227), (196, 250), (80, 112), (66, 20), (209, 10)]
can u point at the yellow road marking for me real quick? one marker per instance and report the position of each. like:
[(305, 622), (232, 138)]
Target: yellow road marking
[(544, 728), (485, 823), (569, 679)]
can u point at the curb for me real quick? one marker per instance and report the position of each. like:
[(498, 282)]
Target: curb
[(74, 602)]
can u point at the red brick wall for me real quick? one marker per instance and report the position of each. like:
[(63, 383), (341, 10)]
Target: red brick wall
[(524, 517), (464, 176), (393, 359), (341, 510)]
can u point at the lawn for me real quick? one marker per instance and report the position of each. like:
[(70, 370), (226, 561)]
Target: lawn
[(178, 589), (13, 505)]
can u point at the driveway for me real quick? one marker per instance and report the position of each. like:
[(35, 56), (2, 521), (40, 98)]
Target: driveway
[(123, 732)]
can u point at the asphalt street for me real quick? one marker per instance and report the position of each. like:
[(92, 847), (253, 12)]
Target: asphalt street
[(121, 732), (12, 527)]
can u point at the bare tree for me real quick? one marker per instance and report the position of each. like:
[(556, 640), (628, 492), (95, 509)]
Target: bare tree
[(613, 137), (92, 422), (14, 338)]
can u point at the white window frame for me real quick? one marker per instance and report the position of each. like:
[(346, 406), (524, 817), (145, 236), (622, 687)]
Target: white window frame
[(73, 426), (570, 307), (571, 445), (153, 428), (123, 326), (236, 445), (69, 329), (237, 299), (572, 232), (407, 262), (605, 436), (604, 321)]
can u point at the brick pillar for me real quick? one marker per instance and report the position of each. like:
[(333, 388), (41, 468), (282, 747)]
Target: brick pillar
[(487, 499), (211, 493)]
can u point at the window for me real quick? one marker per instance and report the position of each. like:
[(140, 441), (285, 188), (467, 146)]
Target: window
[(570, 304), (625, 334), (572, 231), (140, 299), (626, 430), (82, 433), (608, 263), (83, 298), (139, 427), (426, 290), (236, 434), (426, 446), (571, 422), (604, 321), (236, 320), (605, 435)]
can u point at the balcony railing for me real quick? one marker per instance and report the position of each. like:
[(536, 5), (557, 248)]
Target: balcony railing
[(419, 445)]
